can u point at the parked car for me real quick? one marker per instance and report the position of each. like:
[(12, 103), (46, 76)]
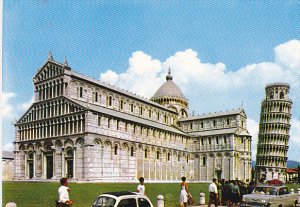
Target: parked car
[(270, 195), (122, 199)]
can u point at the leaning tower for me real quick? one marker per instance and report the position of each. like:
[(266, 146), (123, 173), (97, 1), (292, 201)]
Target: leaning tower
[(273, 136)]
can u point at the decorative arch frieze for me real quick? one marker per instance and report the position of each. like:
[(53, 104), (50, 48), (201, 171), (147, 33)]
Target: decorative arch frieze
[(22, 147), (68, 142), (108, 142), (80, 141), (125, 145), (98, 141), (58, 143)]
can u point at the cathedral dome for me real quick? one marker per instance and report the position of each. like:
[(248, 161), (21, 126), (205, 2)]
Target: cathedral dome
[(169, 89)]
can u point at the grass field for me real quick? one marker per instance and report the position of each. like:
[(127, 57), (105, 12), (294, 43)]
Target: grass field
[(29, 194)]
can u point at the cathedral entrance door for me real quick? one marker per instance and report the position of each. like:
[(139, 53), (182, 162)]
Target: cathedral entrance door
[(49, 167), (70, 163), (30, 168), (219, 174), (70, 168), (30, 164)]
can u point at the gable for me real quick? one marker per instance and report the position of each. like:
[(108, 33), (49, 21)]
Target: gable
[(49, 70), (243, 113), (49, 109)]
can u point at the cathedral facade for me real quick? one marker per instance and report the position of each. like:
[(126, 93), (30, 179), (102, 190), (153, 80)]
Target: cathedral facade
[(88, 130)]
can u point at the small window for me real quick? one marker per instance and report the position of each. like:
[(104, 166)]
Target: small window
[(143, 202), (204, 161), (157, 155), (110, 101), (191, 126), (209, 140), (105, 201), (169, 155), (116, 149), (121, 104), (228, 121), (141, 111), (118, 124), (126, 127), (131, 151), (187, 159), (225, 141), (217, 140), (131, 202), (150, 113), (131, 107), (158, 116), (80, 92), (96, 96), (99, 120), (215, 123), (202, 125), (281, 95), (146, 153), (271, 95), (202, 142), (282, 191), (178, 158)]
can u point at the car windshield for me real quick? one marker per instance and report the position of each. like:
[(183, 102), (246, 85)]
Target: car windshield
[(265, 190), (104, 201)]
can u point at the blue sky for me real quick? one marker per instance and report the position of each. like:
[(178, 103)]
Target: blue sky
[(222, 53)]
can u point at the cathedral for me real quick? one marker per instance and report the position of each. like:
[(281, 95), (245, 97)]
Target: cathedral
[(87, 130)]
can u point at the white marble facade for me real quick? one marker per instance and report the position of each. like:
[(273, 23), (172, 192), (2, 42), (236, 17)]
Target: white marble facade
[(91, 131)]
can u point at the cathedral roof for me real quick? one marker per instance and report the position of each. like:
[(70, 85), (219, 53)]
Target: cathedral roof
[(214, 115), (129, 117), (220, 131), (169, 89)]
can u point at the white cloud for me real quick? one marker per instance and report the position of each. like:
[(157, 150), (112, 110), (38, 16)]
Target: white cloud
[(253, 128), (7, 147), (142, 74), (5, 106), (211, 87), (288, 54), (109, 76), (295, 131), (189, 73)]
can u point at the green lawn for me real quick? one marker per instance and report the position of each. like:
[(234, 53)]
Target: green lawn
[(28, 194)]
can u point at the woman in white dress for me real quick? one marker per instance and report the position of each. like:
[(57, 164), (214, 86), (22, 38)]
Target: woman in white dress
[(184, 193)]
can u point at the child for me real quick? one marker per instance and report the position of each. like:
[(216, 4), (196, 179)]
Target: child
[(141, 188)]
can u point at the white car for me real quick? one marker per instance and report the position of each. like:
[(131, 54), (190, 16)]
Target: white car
[(269, 195), (122, 199)]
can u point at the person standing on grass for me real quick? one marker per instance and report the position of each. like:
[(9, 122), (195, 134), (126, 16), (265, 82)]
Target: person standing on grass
[(63, 193), (141, 187), (184, 193), (213, 193)]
